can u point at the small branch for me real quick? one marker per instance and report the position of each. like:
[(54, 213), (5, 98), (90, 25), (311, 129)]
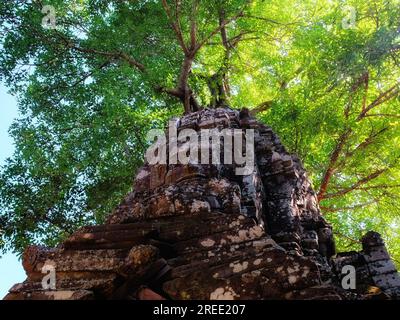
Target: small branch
[(383, 97), (218, 29), (115, 55), (362, 205), (383, 115), (269, 20), (132, 62), (352, 240), (355, 186), (369, 140), (366, 81), (110, 54), (224, 35)]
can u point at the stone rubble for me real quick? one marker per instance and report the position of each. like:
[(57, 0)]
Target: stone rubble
[(202, 232)]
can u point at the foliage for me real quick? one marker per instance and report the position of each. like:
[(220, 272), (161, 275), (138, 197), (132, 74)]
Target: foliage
[(91, 88)]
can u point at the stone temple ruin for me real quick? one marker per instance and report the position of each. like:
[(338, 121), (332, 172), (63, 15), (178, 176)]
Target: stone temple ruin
[(202, 232)]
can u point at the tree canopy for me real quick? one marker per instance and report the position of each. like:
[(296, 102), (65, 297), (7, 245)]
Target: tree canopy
[(93, 79)]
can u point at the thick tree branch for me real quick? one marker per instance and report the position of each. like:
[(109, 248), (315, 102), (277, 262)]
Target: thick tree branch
[(332, 166), (175, 24), (382, 187), (119, 55), (110, 54), (193, 25), (263, 106), (173, 92), (332, 163)]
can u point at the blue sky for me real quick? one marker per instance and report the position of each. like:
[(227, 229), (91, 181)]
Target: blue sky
[(11, 270)]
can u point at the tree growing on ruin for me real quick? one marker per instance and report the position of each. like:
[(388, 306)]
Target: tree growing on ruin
[(93, 76)]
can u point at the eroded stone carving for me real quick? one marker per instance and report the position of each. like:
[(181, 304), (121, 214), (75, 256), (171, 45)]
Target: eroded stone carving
[(201, 232)]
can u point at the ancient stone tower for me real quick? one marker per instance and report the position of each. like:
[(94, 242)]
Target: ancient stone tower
[(202, 232)]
